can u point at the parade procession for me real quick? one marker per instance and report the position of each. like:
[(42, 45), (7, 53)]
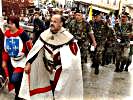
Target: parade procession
[(66, 49)]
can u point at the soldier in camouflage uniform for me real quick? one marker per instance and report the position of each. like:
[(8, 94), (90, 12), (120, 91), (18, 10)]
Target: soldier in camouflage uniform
[(100, 29), (82, 30), (115, 42), (109, 47), (123, 55), (70, 19), (110, 43)]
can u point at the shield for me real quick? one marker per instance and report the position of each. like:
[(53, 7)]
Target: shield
[(12, 47)]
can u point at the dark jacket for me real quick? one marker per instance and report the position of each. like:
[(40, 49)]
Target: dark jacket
[(39, 27)]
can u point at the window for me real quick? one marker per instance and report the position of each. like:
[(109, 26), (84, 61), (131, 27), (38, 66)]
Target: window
[(107, 1), (114, 3)]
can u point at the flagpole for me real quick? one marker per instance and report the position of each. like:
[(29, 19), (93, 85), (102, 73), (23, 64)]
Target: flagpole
[(90, 12), (120, 6)]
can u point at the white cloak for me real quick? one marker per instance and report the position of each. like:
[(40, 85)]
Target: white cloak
[(70, 83)]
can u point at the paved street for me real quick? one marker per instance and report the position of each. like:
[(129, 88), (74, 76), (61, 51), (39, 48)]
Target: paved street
[(4, 95), (108, 85)]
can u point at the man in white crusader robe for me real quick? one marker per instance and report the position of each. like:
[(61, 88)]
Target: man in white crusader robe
[(54, 66)]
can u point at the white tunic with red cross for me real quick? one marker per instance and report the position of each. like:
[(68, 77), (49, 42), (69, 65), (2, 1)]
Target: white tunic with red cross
[(62, 54)]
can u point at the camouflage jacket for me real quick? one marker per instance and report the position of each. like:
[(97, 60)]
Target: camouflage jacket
[(123, 30), (80, 29), (100, 30)]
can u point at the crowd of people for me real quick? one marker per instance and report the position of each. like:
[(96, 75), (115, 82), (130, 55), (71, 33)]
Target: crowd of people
[(51, 63)]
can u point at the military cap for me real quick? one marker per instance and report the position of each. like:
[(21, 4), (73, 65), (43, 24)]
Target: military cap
[(73, 9), (78, 11), (125, 14), (96, 12)]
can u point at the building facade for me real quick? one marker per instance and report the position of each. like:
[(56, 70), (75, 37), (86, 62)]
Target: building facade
[(102, 5), (15, 7)]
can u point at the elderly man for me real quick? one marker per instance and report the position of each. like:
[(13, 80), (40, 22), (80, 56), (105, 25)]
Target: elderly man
[(59, 63)]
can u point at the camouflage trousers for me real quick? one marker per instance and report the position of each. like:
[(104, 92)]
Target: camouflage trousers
[(108, 52), (98, 55), (123, 58), (83, 45)]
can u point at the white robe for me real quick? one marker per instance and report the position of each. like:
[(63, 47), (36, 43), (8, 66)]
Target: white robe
[(70, 83)]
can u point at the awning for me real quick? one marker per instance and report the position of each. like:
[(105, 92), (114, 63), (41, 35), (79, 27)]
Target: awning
[(101, 9)]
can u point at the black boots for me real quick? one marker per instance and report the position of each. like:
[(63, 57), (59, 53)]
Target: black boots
[(117, 67), (96, 69)]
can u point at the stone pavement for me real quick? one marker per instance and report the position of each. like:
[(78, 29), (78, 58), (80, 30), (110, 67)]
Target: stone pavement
[(108, 85), (4, 95)]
